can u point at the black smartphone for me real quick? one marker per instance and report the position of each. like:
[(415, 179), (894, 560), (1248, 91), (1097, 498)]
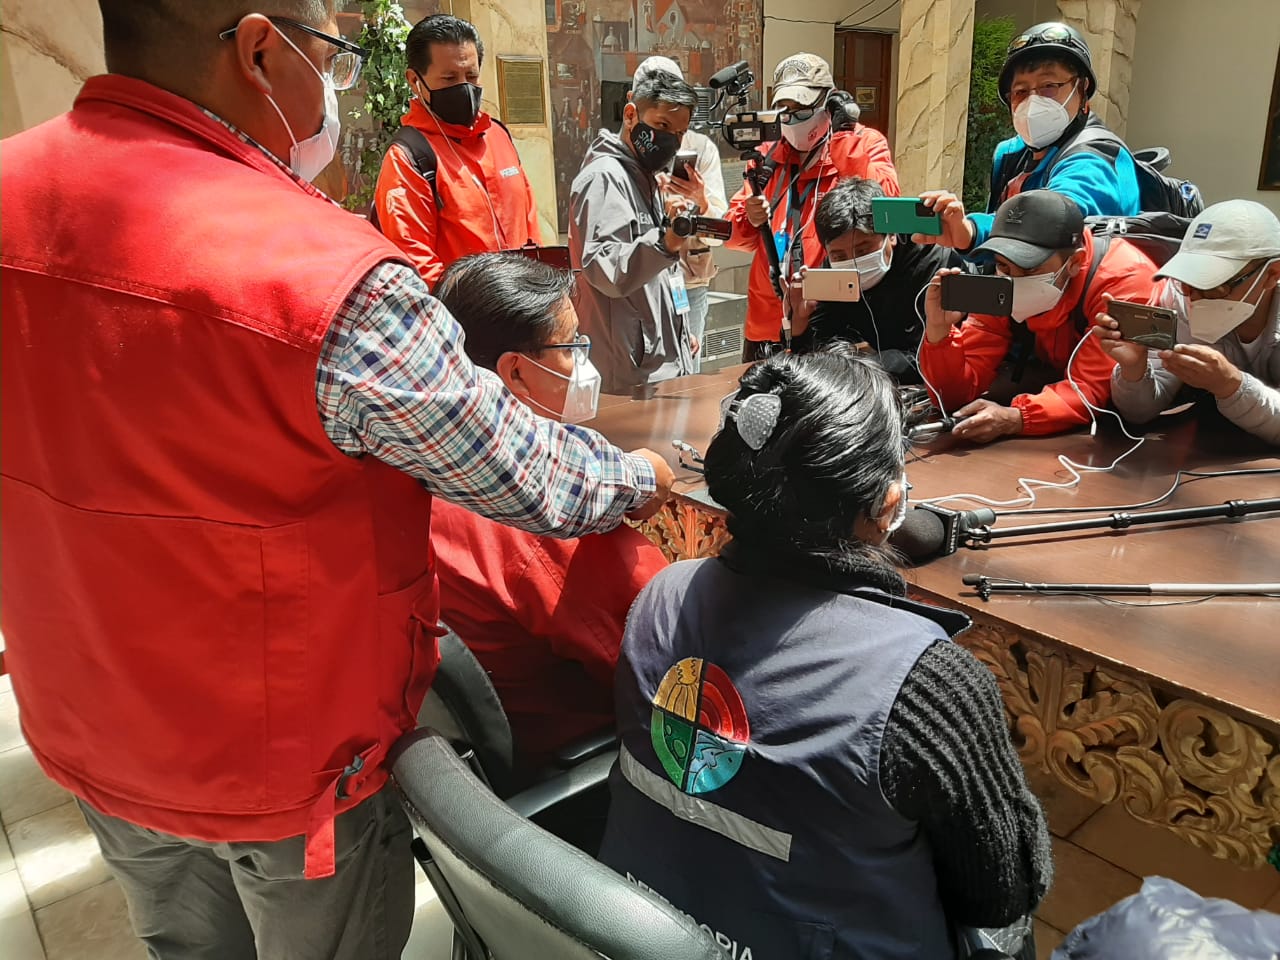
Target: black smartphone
[(1156, 328), (684, 158), (969, 293)]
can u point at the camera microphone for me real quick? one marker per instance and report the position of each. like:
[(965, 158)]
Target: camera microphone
[(722, 78)]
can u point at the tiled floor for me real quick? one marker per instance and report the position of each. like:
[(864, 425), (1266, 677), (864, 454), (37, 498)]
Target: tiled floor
[(57, 901)]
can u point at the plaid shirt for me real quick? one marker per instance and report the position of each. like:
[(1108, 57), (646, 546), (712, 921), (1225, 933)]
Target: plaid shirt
[(393, 381)]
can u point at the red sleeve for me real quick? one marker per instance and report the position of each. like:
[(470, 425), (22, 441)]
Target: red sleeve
[(963, 366), (407, 212), (577, 594), (1058, 407), (535, 227), (880, 167)]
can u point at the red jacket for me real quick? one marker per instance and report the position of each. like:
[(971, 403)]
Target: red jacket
[(498, 216), (210, 611), (964, 365), (846, 155), (543, 616)]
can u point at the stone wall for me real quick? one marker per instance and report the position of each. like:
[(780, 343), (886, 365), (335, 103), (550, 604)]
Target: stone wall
[(1110, 27), (45, 55)]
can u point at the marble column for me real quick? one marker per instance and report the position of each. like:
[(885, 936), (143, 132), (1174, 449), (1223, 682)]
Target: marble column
[(1110, 27), (518, 28), (47, 51), (935, 53)]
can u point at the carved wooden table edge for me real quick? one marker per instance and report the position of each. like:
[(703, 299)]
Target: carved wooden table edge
[(1178, 763)]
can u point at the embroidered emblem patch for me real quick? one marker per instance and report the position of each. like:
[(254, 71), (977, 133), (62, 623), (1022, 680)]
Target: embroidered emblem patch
[(1202, 230), (699, 726)]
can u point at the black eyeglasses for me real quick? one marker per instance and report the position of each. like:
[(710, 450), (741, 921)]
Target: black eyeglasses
[(345, 69), (581, 347), (1053, 33)]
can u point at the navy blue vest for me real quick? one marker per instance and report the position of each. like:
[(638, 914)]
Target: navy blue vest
[(752, 711)]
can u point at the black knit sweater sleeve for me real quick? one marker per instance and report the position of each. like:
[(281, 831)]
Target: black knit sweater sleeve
[(947, 763)]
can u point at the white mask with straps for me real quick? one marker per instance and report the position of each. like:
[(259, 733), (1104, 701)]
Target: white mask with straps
[(1036, 294), (307, 158), (1211, 320), (807, 134), (1040, 121), (582, 398)]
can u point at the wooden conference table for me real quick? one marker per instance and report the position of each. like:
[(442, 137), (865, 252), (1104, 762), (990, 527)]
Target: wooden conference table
[(1174, 711)]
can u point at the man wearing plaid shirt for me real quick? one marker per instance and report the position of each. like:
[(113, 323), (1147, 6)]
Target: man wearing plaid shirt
[(226, 405)]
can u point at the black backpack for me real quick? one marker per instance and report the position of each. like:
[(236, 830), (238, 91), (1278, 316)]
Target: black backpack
[(423, 157), (1157, 193)]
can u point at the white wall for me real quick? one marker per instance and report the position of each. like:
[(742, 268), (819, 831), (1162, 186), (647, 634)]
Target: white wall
[(1202, 79), (783, 37)]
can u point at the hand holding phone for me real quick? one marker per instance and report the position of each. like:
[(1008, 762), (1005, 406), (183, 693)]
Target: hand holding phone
[(684, 159), (1153, 327), (904, 215), (969, 293)]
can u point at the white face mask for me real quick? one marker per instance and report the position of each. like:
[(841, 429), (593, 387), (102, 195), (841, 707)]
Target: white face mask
[(1040, 121), (807, 134), (582, 398), (1036, 294), (873, 267), (310, 156), (1211, 320)]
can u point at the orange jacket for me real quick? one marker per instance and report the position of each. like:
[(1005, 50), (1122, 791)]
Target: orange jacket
[(963, 366), (847, 154), (499, 215)]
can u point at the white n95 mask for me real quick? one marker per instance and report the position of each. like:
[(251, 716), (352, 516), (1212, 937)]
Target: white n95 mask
[(582, 398), (1211, 320), (1040, 121), (307, 158), (1036, 294)]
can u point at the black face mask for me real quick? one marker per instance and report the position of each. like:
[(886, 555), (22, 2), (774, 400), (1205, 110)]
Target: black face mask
[(655, 149), (459, 104)]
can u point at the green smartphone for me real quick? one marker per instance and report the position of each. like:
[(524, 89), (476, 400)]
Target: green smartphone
[(904, 215)]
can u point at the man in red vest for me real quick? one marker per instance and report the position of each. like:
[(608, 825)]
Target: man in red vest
[(226, 405), (480, 200)]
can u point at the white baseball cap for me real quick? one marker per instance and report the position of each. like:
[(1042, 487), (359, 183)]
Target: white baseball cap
[(1222, 241), (656, 65)]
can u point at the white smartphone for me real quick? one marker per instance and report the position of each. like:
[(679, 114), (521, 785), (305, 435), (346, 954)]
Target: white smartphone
[(831, 285)]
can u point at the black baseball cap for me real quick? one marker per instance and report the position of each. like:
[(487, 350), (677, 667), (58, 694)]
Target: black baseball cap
[(1030, 227)]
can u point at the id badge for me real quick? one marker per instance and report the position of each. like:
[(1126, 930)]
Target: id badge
[(782, 242), (679, 293)]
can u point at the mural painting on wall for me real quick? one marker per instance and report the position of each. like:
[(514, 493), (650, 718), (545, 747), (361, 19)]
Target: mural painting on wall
[(594, 47)]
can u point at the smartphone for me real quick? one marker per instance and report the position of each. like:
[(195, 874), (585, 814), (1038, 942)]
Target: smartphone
[(988, 295), (557, 257), (904, 215), (1153, 327), (684, 158), (831, 285)]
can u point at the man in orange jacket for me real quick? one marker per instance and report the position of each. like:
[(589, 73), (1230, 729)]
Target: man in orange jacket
[(480, 200), (1063, 278), (804, 165)]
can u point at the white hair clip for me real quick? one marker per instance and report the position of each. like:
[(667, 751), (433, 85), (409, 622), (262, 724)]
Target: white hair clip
[(754, 417)]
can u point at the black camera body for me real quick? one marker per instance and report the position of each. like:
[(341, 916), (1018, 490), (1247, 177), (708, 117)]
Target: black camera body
[(691, 225), (747, 129)]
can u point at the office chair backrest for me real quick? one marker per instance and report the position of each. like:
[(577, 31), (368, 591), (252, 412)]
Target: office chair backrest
[(525, 894), (462, 705)]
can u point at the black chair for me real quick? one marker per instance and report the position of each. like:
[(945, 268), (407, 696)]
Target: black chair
[(514, 891)]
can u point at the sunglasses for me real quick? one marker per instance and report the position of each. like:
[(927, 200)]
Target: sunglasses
[(344, 71)]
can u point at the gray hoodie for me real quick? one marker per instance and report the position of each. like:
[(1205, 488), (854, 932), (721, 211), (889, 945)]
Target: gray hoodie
[(1255, 407), (624, 295)]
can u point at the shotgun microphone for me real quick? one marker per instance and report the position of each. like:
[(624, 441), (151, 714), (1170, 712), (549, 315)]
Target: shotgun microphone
[(722, 78), (933, 531)]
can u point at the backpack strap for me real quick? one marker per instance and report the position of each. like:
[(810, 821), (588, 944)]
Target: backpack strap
[(1101, 244), (422, 155), (1092, 138)]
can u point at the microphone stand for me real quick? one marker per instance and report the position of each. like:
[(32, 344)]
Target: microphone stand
[(986, 586), (1123, 521)]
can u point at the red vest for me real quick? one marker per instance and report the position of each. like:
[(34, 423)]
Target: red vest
[(211, 612)]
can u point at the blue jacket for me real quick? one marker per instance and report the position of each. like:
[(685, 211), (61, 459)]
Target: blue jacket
[(1102, 187)]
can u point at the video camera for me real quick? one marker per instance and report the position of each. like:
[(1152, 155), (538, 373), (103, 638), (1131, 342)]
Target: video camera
[(742, 128), (690, 225)]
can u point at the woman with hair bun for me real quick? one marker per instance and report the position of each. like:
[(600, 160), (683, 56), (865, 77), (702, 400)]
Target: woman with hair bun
[(809, 766)]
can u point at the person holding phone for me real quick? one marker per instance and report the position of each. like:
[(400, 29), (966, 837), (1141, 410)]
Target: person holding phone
[(700, 154), (1046, 82), (892, 273), (798, 170), (1060, 276), (1225, 281)]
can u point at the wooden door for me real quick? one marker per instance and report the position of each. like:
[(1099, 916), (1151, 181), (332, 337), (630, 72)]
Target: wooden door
[(868, 60)]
